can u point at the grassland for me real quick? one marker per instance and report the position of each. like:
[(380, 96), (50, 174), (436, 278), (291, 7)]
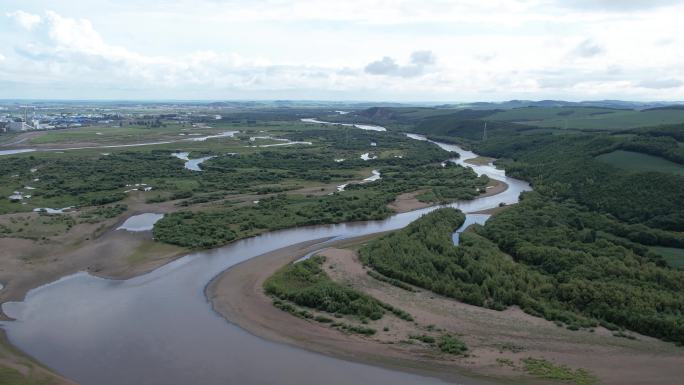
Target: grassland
[(546, 369), (588, 118), (638, 162), (306, 284), (673, 256)]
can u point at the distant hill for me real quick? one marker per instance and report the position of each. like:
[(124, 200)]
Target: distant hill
[(615, 104)]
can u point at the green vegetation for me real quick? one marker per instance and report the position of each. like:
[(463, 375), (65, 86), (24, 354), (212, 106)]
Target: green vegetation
[(419, 168), (545, 369), (423, 338), (580, 243), (589, 118), (391, 281), (203, 229), (673, 256), (565, 168), (451, 345), (11, 376), (637, 162), (306, 284), (89, 178), (109, 135), (103, 212), (353, 328), (83, 179), (36, 227), (569, 265)]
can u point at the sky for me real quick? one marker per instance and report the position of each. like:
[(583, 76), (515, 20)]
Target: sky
[(368, 50)]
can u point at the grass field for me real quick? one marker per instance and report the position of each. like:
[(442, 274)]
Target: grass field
[(638, 162), (673, 256), (117, 135), (589, 118)]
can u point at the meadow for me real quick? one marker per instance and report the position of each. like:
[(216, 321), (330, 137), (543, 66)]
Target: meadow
[(673, 256), (589, 118), (638, 162)]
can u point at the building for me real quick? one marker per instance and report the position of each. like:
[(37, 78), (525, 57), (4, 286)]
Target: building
[(18, 126)]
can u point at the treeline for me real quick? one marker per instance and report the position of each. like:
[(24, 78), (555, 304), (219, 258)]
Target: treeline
[(419, 168), (464, 127), (306, 284), (568, 265), (203, 229), (368, 201), (563, 167), (664, 146), (87, 179), (443, 183)]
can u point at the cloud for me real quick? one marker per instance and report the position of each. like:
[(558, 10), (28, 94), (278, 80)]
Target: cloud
[(419, 61), (477, 50), (384, 66), (71, 52), (423, 58), (615, 5), (660, 83), (587, 49), (25, 19)]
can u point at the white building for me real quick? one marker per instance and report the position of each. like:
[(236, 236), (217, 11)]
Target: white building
[(18, 126)]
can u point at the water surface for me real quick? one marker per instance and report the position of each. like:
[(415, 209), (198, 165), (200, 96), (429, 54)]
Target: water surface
[(141, 222), (470, 219), (366, 127), (159, 328)]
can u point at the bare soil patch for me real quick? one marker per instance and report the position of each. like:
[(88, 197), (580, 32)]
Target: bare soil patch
[(480, 160), (492, 336)]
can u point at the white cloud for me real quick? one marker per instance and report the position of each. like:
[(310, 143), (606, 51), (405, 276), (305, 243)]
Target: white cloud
[(423, 58), (353, 49), (616, 5), (384, 66), (418, 63), (660, 83), (587, 49), (25, 19)]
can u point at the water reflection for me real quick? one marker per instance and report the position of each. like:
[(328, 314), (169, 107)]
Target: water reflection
[(159, 328)]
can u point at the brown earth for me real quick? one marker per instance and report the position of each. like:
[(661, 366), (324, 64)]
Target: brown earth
[(480, 160), (490, 335), (94, 247)]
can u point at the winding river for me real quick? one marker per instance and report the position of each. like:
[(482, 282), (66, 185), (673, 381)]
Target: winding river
[(159, 328)]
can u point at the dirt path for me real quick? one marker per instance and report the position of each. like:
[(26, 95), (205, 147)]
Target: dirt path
[(491, 335)]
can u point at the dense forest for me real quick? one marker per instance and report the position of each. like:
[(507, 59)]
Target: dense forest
[(368, 201), (563, 167), (578, 250), (417, 168), (306, 284), (554, 260), (88, 179)]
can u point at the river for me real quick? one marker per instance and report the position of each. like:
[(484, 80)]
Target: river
[(159, 328)]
